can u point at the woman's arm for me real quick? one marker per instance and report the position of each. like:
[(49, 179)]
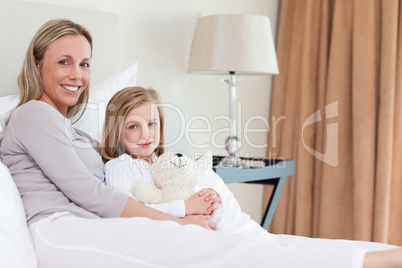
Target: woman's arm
[(134, 208)]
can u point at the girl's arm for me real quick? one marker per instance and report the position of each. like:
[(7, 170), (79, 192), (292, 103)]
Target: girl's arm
[(122, 172)]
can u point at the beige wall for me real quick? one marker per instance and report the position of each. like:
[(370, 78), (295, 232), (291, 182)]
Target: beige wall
[(158, 34)]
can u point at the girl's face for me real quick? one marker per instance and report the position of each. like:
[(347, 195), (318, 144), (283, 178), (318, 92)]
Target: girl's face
[(141, 131), (65, 71)]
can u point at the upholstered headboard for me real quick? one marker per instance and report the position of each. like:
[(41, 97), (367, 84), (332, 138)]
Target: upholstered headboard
[(20, 20)]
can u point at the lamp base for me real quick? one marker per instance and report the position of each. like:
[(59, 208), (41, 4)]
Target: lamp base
[(232, 146), (232, 143)]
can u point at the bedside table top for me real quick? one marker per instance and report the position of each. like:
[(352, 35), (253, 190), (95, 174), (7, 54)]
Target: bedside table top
[(262, 169)]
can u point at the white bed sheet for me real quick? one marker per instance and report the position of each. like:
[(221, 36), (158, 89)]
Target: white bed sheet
[(16, 247)]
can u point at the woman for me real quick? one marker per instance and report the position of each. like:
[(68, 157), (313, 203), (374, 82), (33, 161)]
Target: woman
[(77, 221)]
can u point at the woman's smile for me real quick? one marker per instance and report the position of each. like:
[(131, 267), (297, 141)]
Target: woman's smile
[(71, 88)]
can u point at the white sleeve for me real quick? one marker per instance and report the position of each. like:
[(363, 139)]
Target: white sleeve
[(122, 172), (118, 175)]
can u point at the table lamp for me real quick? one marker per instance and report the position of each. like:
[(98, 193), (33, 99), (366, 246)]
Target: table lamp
[(233, 44)]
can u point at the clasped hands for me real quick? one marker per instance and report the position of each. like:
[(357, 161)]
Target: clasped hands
[(202, 205)]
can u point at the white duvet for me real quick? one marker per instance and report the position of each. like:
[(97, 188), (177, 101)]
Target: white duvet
[(232, 219), (251, 247)]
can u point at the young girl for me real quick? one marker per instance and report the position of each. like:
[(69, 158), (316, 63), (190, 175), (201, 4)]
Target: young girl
[(134, 136)]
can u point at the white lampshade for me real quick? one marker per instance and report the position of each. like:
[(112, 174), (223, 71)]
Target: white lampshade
[(233, 43)]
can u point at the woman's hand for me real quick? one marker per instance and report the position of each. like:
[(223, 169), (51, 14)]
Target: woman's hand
[(203, 202), (201, 220)]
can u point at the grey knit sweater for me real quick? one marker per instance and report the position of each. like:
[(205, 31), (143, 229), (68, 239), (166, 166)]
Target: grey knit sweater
[(56, 168)]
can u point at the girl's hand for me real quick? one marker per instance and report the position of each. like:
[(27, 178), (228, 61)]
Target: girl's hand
[(196, 204), (210, 196), (201, 220)]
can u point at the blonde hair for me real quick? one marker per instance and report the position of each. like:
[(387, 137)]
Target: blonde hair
[(29, 79), (117, 109)]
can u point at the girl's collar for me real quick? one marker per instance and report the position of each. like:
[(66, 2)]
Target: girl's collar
[(154, 158)]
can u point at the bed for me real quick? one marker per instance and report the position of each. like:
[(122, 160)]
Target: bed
[(16, 249)]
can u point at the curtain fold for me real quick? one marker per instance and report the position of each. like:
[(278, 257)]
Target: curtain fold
[(335, 109), (365, 81)]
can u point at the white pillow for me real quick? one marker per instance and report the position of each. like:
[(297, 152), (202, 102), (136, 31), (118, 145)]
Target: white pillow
[(7, 105), (92, 120), (16, 249)]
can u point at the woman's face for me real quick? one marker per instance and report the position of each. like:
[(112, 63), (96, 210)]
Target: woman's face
[(65, 71), (141, 131)]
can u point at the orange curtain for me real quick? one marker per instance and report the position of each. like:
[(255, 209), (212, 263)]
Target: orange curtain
[(336, 110)]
